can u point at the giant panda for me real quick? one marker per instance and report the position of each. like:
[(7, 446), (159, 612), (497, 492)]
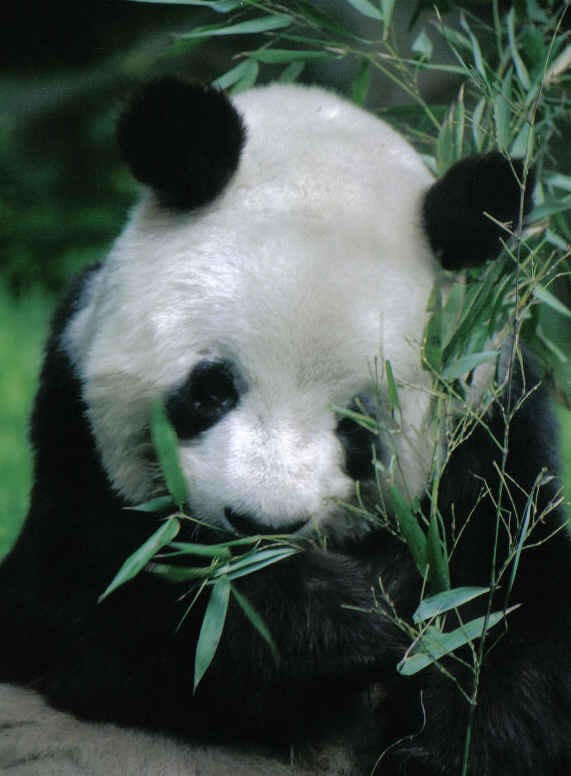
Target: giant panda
[(286, 242)]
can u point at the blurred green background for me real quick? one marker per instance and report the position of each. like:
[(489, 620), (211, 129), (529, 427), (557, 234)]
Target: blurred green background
[(64, 72)]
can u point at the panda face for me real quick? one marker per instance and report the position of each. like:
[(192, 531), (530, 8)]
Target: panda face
[(257, 315)]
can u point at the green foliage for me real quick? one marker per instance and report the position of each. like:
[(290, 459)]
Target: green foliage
[(409, 529), (250, 27), (166, 447), (212, 627), (53, 221), (432, 607), (367, 8), (437, 557), (433, 644), (141, 557), (228, 560), (22, 331), (255, 619), (512, 72), (564, 417)]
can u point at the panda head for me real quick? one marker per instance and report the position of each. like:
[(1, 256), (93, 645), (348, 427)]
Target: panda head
[(284, 249)]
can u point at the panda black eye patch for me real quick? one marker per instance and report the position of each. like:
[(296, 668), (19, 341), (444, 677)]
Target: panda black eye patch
[(358, 442), (208, 393)]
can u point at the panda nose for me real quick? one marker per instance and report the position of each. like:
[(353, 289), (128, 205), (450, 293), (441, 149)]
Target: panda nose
[(248, 525)]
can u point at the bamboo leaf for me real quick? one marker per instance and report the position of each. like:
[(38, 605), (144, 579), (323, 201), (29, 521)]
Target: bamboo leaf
[(248, 79), (250, 27), (550, 345), (439, 574), (159, 504), (452, 311), (522, 146), (256, 621), (178, 574), (281, 56), (477, 117), (392, 391), (434, 334), (366, 421), (219, 6), (445, 143), (422, 65), (465, 364), (453, 36), (246, 70), (201, 550), (476, 305), (557, 241), (535, 13), (560, 181), (291, 73), (255, 562), (502, 111), (500, 304), (545, 296), (422, 45), (387, 7), (536, 53), (212, 627), (523, 535), (166, 446), (360, 85), (322, 21), (459, 122), (446, 601), (520, 68), (550, 209), (475, 48), (141, 557), (366, 8), (434, 644), (410, 529), (223, 564)]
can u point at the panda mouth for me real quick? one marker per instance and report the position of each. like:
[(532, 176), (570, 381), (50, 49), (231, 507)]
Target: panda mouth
[(247, 526)]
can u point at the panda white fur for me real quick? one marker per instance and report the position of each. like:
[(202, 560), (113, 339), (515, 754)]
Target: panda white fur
[(286, 245), (265, 279)]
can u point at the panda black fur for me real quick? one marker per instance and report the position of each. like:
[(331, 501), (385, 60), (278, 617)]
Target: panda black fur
[(283, 243)]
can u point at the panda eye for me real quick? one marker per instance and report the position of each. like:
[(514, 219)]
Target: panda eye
[(358, 442), (205, 397)]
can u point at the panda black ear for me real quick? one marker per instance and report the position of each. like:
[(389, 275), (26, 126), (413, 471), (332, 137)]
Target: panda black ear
[(460, 234), (183, 140)]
